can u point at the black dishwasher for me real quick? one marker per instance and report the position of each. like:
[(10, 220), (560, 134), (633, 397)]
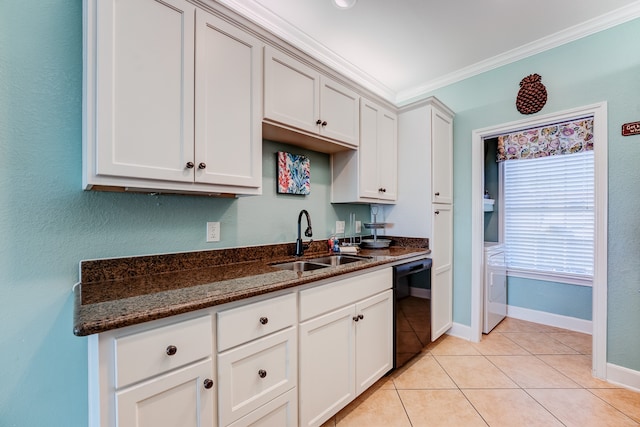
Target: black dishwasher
[(411, 309)]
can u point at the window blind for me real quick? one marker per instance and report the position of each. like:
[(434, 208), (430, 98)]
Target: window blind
[(549, 215)]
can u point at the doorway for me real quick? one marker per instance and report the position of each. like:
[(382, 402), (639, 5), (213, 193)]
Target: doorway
[(599, 290)]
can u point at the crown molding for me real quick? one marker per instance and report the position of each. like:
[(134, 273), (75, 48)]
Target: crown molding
[(601, 23), (300, 40)]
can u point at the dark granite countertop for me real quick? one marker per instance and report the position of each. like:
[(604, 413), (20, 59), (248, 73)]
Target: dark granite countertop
[(120, 292)]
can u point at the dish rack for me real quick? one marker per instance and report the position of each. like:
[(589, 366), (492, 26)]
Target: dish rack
[(375, 243)]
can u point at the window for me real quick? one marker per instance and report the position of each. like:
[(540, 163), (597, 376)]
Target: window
[(549, 217)]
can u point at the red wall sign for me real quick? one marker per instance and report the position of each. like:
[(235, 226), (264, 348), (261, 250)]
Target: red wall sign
[(632, 128)]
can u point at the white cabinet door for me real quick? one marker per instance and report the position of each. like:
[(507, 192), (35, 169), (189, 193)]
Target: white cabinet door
[(388, 155), (144, 91), (442, 157), (339, 113), (228, 94), (442, 270), (176, 399), (327, 358), (291, 92), (368, 151), (377, 163), (374, 339)]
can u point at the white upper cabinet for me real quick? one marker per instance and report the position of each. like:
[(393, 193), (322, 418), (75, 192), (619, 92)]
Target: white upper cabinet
[(370, 174), (442, 155), (144, 89), (228, 115), (298, 97), (378, 152), (172, 99), (338, 112)]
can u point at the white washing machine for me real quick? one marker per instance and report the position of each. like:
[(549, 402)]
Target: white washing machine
[(495, 285)]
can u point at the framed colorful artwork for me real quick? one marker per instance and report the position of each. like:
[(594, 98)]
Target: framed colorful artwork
[(294, 174)]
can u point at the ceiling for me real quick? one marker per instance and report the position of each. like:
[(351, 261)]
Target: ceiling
[(403, 49)]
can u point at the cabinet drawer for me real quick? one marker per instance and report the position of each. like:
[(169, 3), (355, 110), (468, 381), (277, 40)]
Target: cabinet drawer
[(243, 324), (253, 374), (280, 412), (324, 298), (145, 354)]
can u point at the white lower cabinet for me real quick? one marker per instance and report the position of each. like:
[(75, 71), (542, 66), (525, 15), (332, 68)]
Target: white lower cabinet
[(253, 374), (347, 349), (155, 374), (442, 270), (327, 359), (294, 359), (280, 412), (177, 399), (257, 362)]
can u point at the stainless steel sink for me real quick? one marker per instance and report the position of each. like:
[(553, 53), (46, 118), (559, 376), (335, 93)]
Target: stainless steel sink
[(335, 260), (317, 263), (300, 266)]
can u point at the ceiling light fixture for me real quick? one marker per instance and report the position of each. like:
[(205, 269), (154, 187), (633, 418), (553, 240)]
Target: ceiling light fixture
[(344, 4)]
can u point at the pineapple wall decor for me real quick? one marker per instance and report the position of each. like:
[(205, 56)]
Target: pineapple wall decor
[(532, 94)]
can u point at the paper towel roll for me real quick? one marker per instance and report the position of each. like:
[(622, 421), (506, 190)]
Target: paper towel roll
[(348, 249)]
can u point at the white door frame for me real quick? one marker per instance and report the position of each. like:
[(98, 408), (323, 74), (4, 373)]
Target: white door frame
[(599, 291)]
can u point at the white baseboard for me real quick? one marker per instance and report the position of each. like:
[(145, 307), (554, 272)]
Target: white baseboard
[(460, 331), (550, 319), (420, 293), (625, 377)]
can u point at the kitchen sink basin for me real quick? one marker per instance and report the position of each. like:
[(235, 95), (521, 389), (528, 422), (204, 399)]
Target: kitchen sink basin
[(300, 266), (335, 260), (317, 263)]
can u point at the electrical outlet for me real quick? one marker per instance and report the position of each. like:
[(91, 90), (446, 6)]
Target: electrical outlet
[(339, 227), (213, 231), (358, 227)]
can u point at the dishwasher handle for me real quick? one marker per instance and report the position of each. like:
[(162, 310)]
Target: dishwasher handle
[(412, 267)]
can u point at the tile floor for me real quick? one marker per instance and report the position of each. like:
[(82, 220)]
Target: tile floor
[(521, 374)]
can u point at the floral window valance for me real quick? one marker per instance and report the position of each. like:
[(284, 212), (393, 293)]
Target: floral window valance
[(571, 137)]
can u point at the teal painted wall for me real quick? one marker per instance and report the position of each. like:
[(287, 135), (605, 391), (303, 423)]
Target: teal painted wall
[(601, 67), (551, 297), (48, 224)]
